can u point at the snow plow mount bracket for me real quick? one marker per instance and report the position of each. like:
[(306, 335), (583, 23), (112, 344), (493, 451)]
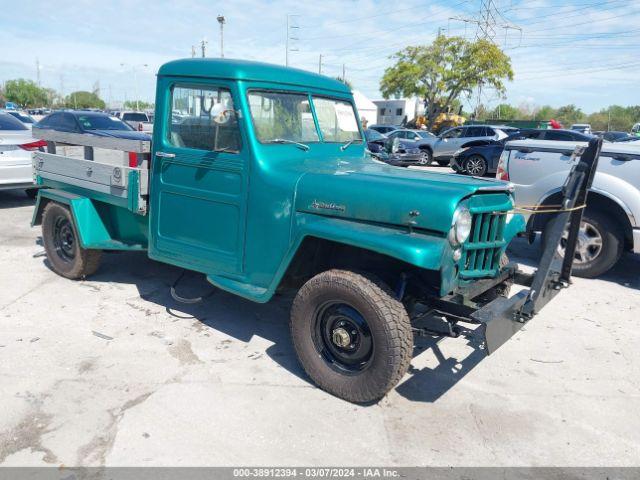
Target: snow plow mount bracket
[(503, 317)]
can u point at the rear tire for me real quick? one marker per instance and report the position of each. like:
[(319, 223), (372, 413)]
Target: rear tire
[(351, 335), (62, 244), (475, 166), (600, 244)]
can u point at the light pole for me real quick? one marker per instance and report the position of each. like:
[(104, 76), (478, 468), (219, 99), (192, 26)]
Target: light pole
[(135, 81), (221, 21)]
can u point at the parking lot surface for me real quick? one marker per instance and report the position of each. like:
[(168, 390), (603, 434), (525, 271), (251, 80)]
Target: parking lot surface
[(112, 371)]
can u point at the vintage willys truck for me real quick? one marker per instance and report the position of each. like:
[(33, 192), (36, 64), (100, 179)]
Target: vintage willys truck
[(257, 177)]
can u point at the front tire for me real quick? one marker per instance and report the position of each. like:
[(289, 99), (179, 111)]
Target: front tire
[(62, 244), (600, 244), (351, 335), (427, 157)]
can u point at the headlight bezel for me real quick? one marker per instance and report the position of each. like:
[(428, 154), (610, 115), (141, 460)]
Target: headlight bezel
[(461, 224)]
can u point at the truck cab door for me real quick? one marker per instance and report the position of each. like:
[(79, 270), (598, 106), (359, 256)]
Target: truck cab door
[(199, 177)]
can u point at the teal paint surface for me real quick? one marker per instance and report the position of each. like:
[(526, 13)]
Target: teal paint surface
[(239, 218)]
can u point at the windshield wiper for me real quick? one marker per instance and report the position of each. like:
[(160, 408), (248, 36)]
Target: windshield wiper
[(349, 143), (297, 144)]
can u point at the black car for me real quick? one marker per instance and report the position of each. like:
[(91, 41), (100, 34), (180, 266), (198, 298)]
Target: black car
[(618, 137), (480, 157), (400, 153), (561, 135), (375, 140), (95, 123)]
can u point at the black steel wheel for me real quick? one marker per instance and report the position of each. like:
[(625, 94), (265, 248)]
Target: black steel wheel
[(342, 336), (62, 244), (351, 335)]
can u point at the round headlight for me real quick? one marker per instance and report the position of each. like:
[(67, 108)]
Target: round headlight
[(461, 227)]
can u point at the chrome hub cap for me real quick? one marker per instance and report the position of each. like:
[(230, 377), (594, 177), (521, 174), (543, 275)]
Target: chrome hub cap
[(589, 243), (341, 337)]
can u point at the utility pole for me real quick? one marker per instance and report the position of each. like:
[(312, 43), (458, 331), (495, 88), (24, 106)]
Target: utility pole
[(290, 38), (38, 70), (343, 73), (62, 87), (193, 51), (486, 25), (135, 81), (221, 21), (203, 47), (320, 65)]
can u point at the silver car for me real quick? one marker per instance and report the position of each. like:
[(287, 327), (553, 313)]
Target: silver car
[(611, 220), (442, 147), (16, 145)]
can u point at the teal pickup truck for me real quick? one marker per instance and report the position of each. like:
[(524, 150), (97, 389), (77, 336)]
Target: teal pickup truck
[(257, 177)]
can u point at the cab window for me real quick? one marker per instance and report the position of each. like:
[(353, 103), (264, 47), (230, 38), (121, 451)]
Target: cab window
[(337, 120), (203, 118), (282, 116)]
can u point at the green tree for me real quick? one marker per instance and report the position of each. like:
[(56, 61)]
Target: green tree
[(133, 105), (444, 70), (504, 111), (25, 93), (546, 112), (570, 114), (82, 99)]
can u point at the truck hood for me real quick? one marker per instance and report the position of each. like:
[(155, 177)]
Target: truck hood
[(390, 195)]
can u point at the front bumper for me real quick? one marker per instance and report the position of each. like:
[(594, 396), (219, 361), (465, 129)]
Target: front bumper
[(403, 159), (456, 165)]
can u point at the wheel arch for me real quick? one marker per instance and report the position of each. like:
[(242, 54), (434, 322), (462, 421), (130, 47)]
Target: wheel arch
[(597, 200)]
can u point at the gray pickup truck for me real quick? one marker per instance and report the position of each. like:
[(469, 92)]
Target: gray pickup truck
[(611, 222)]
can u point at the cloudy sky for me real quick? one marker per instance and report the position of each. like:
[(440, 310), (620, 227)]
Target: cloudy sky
[(576, 51)]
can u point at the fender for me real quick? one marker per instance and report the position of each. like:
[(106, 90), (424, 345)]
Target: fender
[(422, 250), (92, 225)]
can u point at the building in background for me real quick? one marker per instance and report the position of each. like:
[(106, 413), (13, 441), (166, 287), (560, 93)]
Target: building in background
[(366, 108), (399, 110)]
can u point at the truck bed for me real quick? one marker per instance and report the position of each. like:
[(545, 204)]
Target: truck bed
[(121, 184)]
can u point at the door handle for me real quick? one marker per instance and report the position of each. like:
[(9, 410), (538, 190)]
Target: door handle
[(165, 155)]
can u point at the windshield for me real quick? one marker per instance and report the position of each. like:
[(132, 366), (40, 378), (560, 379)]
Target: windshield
[(135, 117), (373, 135), (337, 120), (22, 117), (282, 116), (7, 122), (102, 122)]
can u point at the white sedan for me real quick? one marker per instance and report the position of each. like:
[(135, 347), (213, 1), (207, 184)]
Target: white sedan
[(16, 145)]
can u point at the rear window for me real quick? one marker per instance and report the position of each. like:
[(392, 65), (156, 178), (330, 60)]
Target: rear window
[(7, 122), (101, 122), (135, 117), (22, 117)]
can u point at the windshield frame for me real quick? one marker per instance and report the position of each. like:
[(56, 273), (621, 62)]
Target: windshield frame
[(310, 95), (254, 130)]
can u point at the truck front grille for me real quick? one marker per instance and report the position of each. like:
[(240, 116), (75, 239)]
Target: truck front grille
[(482, 251)]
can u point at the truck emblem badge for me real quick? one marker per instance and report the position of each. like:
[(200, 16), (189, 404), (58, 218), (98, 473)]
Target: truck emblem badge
[(316, 205)]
